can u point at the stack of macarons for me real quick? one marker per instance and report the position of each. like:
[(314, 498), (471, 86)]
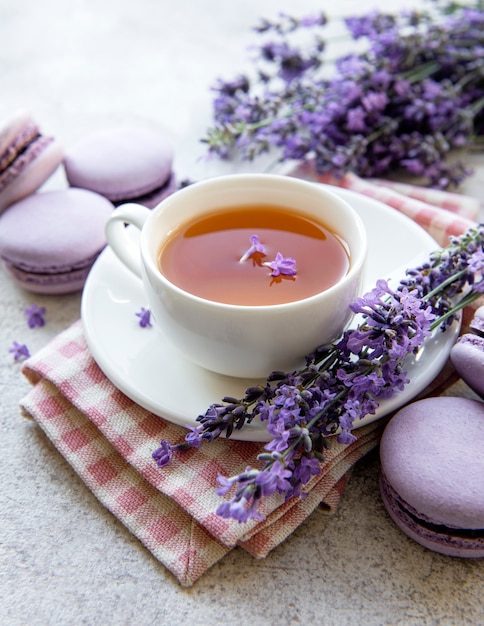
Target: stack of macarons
[(50, 239)]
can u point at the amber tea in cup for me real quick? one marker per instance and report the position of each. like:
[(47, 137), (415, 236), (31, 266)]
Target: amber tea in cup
[(206, 257)]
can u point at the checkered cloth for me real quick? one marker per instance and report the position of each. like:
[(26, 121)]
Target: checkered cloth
[(439, 212), (108, 440)]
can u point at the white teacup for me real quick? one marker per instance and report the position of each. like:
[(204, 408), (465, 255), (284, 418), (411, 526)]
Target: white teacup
[(239, 340)]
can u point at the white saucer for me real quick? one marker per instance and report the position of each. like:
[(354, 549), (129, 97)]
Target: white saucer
[(144, 365)]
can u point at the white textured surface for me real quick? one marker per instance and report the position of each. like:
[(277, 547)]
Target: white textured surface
[(84, 65)]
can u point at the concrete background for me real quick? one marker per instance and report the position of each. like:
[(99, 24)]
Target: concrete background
[(64, 560)]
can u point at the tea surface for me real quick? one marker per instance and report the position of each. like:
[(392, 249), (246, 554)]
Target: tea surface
[(203, 257)]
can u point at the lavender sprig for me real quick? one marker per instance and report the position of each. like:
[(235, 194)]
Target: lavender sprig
[(341, 382), (415, 94)]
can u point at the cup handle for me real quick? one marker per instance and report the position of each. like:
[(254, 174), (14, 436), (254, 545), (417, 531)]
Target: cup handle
[(127, 251)]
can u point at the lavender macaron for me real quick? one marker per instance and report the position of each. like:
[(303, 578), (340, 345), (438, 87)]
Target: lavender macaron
[(432, 468), (477, 322), (124, 165), (27, 158), (50, 240), (467, 354)]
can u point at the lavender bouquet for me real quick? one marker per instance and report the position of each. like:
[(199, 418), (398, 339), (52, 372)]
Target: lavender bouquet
[(414, 94), (341, 382), (411, 95)]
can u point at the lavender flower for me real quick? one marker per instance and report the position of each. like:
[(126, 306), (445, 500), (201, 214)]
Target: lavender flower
[(35, 316), (162, 455), (256, 247), (275, 480), (144, 317), (240, 508), (414, 94), (285, 266), (19, 351), (341, 382), (195, 437)]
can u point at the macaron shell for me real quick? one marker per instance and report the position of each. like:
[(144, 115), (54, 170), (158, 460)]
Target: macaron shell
[(11, 129), (32, 175), (153, 199), (467, 357), (121, 164), (51, 284), (432, 455), (477, 322), (442, 542)]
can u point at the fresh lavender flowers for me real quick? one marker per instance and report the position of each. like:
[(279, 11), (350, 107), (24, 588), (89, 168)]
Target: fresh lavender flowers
[(341, 382), (412, 96), (144, 316), (280, 266), (19, 351), (35, 316), (256, 248)]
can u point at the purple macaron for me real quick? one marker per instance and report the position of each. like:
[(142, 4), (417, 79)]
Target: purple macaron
[(27, 158), (432, 468), (124, 165), (467, 354), (477, 322), (50, 240)]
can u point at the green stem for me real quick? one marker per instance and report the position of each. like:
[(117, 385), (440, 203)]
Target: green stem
[(471, 297), (444, 285), (424, 71), (477, 106)]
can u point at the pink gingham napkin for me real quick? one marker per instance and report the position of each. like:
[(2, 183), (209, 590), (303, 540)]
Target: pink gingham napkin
[(441, 213), (108, 440)]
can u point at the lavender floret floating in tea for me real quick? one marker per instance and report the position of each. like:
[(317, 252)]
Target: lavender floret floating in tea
[(341, 382), (280, 266), (256, 247), (414, 94)]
